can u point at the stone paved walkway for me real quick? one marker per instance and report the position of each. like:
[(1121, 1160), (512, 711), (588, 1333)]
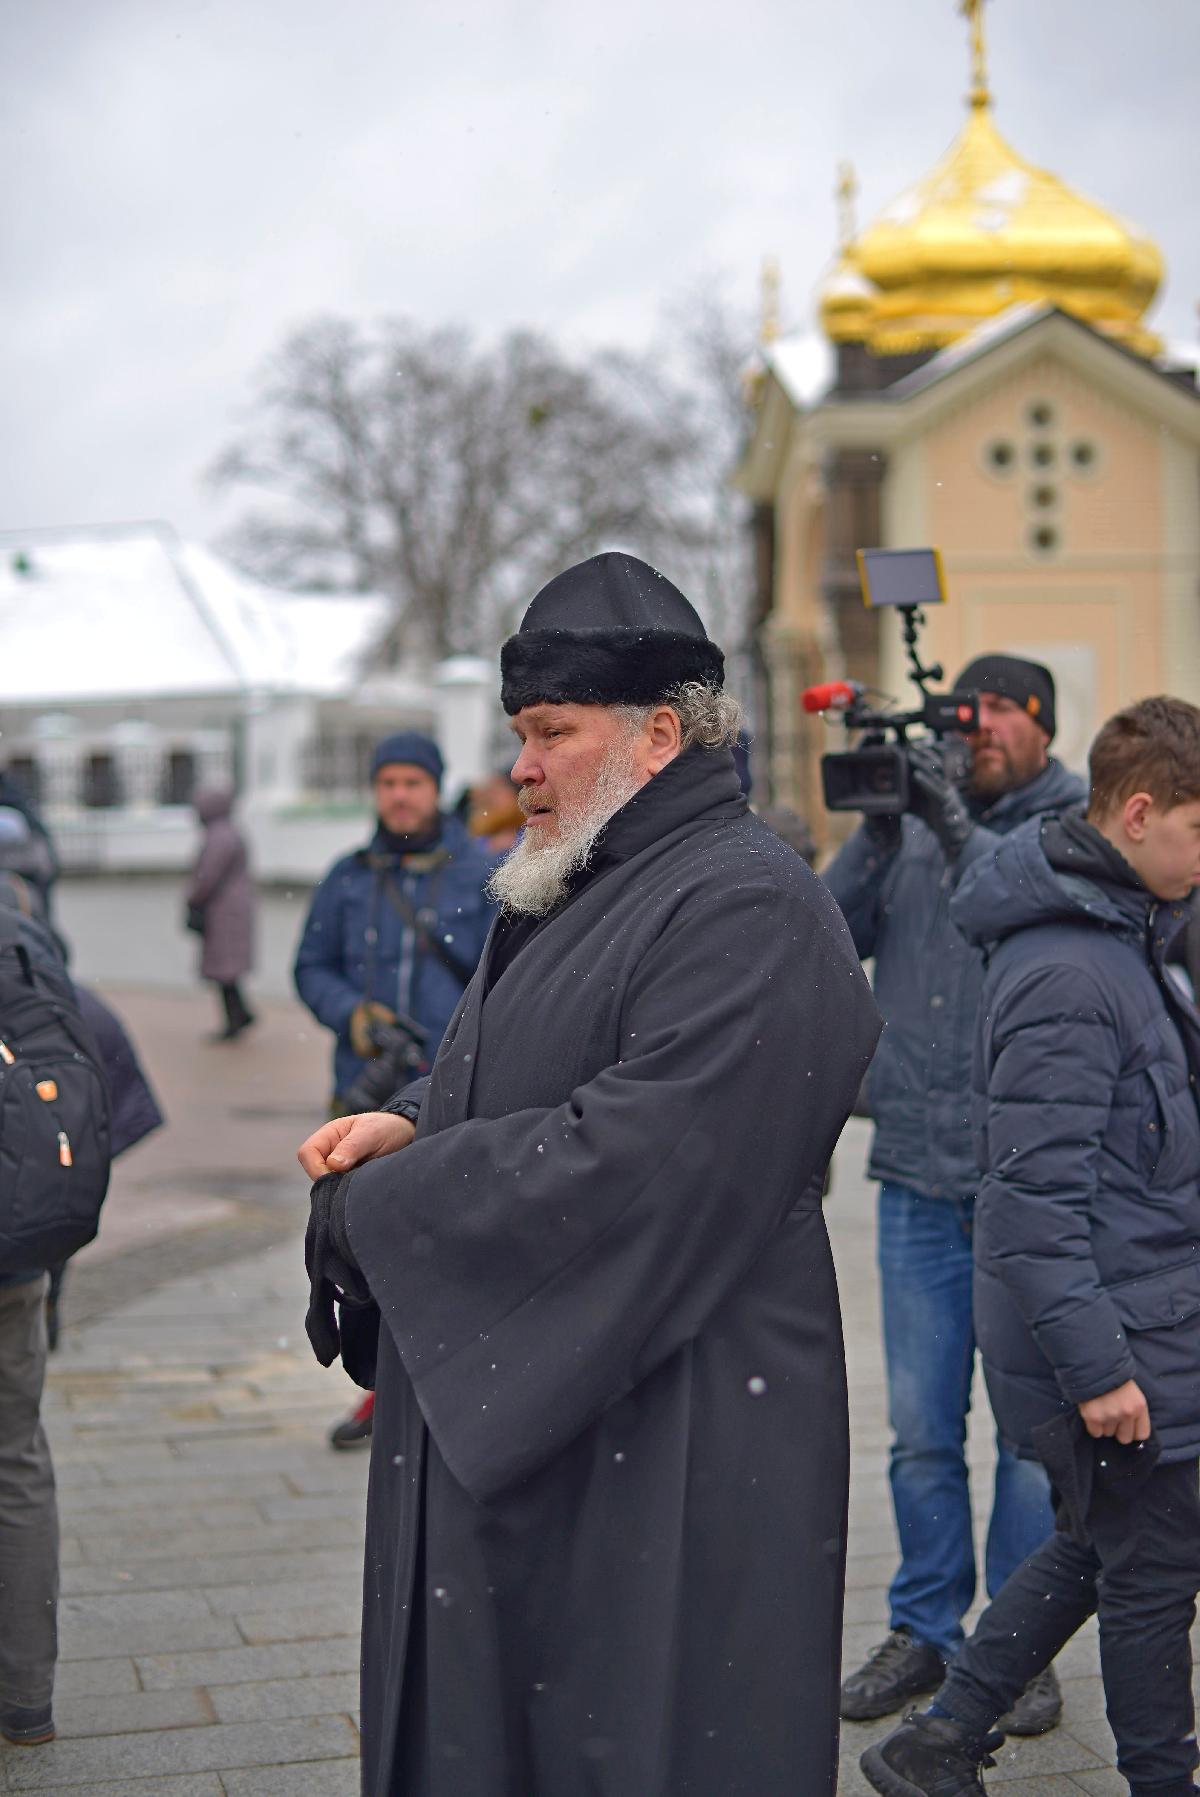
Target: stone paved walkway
[(211, 1540)]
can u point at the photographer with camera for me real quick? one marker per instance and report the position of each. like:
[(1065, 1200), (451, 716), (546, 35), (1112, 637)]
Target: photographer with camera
[(392, 938), (894, 880)]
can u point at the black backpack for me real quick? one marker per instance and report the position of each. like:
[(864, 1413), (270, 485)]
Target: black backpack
[(54, 1116)]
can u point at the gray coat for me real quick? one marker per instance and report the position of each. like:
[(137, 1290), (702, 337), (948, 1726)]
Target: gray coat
[(1087, 1229), (221, 887), (927, 983)]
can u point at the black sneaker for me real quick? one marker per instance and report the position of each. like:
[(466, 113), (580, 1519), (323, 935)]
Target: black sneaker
[(929, 1756), (354, 1431), (1038, 1709), (899, 1668), (27, 1728)]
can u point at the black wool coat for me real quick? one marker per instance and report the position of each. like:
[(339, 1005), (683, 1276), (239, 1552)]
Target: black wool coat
[(606, 1518)]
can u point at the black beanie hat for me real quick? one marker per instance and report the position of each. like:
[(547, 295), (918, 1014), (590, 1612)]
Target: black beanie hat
[(609, 631), (1026, 683)]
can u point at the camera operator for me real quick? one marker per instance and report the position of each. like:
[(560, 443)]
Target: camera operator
[(894, 880), (393, 936)]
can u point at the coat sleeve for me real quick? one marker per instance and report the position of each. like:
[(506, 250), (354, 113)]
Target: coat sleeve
[(856, 877), (1054, 1068), (980, 843), (217, 857), (535, 1267), (318, 971)]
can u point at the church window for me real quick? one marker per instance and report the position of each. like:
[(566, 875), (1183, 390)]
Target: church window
[(1043, 539), (1084, 457), (1043, 496), (101, 783), (178, 777), (1001, 457), (1043, 455), (1041, 415), (25, 774)]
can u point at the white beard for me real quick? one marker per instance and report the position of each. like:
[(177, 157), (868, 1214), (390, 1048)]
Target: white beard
[(534, 875)]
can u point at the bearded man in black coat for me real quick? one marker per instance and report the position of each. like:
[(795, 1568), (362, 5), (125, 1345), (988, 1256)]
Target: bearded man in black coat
[(606, 1518)]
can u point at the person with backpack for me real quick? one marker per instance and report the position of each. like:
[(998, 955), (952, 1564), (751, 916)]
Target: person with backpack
[(392, 938), (55, 1155)]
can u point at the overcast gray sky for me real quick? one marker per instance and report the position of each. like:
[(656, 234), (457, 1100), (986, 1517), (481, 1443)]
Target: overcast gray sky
[(184, 180)]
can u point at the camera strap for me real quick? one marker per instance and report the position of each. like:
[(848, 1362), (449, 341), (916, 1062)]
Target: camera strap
[(414, 920)]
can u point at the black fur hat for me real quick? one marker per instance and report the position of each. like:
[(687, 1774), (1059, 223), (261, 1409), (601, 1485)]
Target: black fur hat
[(610, 631)]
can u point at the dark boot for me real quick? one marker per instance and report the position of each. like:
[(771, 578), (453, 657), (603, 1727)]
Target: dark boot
[(898, 1669), (1037, 1710), (929, 1756), (238, 1016)]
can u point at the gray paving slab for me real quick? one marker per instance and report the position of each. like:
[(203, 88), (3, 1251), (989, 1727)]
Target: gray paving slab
[(258, 1572), (302, 1622), (337, 1779), (1055, 1752), (334, 1693), (1107, 1783), (239, 1665), (213, 1749), (77, 1679), (203, 1784), (263, 1537), (98, 1640), (133, 1713), (342, 1586)]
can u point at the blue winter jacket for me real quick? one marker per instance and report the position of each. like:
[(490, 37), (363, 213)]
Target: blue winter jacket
[(1087, 1225), (927, 983), (356, 944)]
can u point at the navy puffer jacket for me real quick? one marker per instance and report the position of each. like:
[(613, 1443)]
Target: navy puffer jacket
[(927, 984), (356, 943), (1087, 1226)]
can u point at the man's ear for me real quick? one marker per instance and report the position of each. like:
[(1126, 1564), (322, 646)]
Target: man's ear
[(1135, 815), (664, 735)]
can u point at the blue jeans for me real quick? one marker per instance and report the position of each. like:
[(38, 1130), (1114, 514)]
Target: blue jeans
[(925, 1266)]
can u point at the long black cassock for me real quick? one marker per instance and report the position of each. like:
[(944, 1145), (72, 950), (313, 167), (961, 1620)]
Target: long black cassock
[(606, 1518)]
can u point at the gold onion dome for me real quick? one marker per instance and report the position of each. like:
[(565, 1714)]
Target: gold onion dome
[(985, 230)]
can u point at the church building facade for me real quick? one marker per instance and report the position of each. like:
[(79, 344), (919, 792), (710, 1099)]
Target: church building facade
[(997, 394)]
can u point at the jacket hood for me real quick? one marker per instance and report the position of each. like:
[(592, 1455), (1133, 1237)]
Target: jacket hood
[(1018, 887)]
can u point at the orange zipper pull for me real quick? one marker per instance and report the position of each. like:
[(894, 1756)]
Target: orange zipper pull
[(65, 1157)]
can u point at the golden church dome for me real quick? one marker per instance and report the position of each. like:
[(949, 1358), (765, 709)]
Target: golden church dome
[(985, 230), (847, 302)]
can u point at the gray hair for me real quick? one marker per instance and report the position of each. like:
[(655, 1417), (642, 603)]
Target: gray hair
[(708, 715)]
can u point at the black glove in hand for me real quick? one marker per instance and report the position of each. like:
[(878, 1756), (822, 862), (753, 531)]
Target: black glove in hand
[(329, 1261), (936, 800)]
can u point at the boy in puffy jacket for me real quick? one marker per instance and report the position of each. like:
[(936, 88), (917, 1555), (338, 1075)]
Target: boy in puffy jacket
[(1087, 1248)]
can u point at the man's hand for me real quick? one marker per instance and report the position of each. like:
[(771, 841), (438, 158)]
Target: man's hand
[(936, 800), (1122, 1412), (348, 1141), (365, 1019)]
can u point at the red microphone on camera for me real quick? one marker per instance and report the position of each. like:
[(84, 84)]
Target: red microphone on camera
[(835, 695)]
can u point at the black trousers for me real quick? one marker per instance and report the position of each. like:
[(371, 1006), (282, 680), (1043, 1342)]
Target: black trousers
[(1140, 1575)]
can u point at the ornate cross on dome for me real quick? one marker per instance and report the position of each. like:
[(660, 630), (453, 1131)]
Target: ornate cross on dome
[(972, 10)]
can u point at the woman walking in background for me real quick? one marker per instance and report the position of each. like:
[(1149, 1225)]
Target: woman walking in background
[(220, 907)]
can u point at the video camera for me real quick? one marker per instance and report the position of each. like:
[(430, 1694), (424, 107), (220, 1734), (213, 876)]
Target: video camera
[(401, 1058), (874, 777)]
